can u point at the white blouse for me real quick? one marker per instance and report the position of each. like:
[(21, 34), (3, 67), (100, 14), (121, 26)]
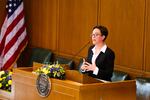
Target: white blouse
[(103, 49)]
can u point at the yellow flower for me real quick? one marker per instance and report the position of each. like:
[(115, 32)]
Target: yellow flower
[(4, 77), (57, 65), (0, 79), (38, 70), (10, 82), (45, 71), (50, 66), (6, 85), (0, 85), (10, 73)]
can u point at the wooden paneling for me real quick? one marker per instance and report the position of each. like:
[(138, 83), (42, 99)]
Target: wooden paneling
[(41, 19), (147, 37), (2, 11), (64, 26), (125, 20), (76, 19)]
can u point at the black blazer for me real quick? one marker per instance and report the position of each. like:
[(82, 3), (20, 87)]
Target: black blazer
[(105, 63)]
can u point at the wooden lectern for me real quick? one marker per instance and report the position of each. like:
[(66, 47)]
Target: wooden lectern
[(76, 87)]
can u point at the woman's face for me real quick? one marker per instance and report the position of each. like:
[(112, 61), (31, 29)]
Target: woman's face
[(97, 37)]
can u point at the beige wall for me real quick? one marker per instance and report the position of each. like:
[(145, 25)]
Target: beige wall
[(64, 26)]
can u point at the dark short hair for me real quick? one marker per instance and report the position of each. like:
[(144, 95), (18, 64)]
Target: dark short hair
[(103, 30)]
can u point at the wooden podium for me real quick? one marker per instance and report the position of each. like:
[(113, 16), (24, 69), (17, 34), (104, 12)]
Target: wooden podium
[(76, 87)]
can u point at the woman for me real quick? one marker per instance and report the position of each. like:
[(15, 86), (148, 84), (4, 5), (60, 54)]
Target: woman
[(100, 59)]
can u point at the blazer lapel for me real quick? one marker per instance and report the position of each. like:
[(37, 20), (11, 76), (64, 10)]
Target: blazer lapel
[(90, 57), (100, 58)]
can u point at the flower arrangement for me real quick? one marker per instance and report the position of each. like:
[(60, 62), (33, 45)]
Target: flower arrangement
[(5, 80), (53, 71)]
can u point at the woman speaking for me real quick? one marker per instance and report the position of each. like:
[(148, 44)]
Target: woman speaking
[(100, 59)]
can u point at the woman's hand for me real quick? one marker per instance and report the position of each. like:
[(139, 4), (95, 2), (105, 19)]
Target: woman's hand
[(90, 67), (87, 66), (83, 67)]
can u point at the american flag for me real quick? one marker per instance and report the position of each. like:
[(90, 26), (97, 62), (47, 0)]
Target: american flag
[(13, 36)]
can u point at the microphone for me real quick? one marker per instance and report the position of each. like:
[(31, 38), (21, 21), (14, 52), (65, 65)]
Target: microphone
[(80, 50)]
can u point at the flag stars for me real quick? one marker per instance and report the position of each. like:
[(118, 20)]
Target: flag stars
[(10, 5), (9, 10), (14, 4)]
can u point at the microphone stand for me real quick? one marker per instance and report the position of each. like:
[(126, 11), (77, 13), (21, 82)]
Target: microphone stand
[(80, 50)]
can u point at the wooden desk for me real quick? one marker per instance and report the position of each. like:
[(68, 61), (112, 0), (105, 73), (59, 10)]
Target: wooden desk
[(24, 88)]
